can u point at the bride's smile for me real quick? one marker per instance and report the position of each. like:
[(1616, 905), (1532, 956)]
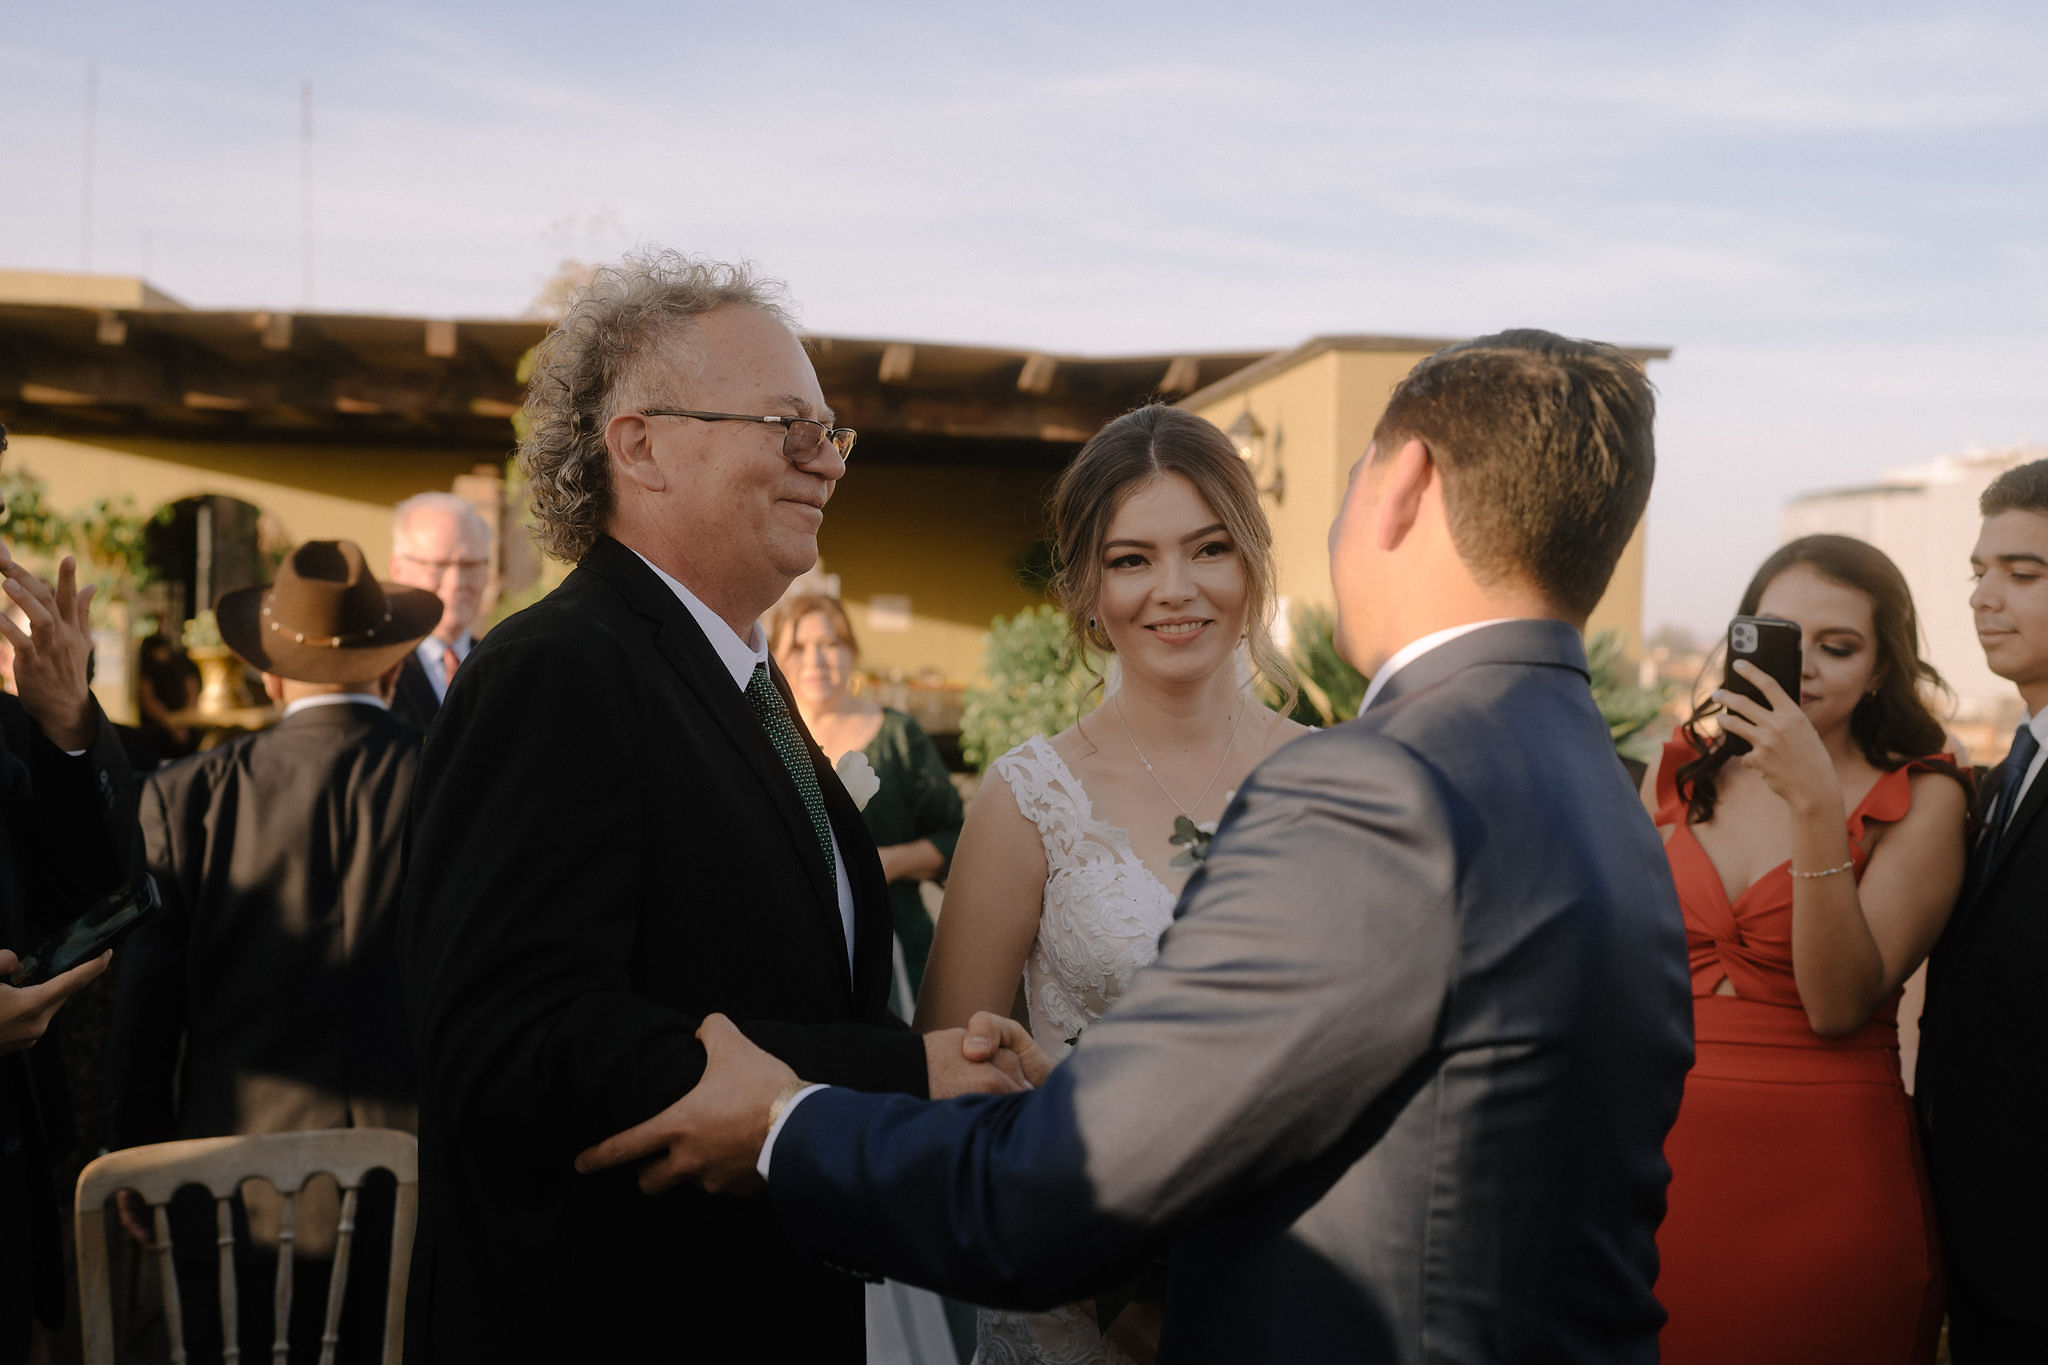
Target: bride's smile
[(1172, 595)]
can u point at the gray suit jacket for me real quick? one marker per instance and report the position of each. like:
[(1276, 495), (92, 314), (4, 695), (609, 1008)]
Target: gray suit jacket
[(1396, 1089)]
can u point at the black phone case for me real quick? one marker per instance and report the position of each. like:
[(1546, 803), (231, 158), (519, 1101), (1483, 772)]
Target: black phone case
[(104, 924), (1772, 645)]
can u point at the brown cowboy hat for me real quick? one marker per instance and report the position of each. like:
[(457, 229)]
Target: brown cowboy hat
[(326, 619)]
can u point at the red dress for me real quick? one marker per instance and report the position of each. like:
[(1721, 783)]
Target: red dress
[(1799, 1228)]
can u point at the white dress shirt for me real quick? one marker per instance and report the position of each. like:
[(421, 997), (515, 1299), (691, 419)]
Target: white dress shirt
[(335, 699), (433, 656), (2038, 723), (740, 658), (1415, 649)]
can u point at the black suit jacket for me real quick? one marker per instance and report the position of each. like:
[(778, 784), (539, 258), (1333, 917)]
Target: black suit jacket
[(67, 835), (414, 701), (1397, 1086), (1981, 1084), (265, 998), (607, 849)]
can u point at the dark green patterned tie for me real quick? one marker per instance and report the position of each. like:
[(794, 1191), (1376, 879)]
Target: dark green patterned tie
[(768, 705)]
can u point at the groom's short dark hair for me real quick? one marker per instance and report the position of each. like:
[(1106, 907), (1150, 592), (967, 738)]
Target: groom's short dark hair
[(1545, 448)]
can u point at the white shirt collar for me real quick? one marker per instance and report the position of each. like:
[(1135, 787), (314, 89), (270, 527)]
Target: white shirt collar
[(2038, 723), (336, 699), (1415, 649), (740, 657)]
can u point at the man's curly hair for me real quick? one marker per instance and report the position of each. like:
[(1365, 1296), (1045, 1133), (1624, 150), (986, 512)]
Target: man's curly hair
[(624, 333)]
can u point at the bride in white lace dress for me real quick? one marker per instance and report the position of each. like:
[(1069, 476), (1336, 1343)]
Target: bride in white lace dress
[(1066, 871)]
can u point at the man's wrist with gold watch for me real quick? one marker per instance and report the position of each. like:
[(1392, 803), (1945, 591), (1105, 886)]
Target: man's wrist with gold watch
[(782, 1099)]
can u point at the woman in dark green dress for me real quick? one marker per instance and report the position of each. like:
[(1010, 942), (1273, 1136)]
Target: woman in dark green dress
[(915, 814)]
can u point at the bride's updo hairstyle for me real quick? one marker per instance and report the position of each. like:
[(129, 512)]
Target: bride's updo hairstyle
[(1128, 453)]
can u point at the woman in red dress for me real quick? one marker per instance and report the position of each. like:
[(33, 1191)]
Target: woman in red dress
[(1815, 874)]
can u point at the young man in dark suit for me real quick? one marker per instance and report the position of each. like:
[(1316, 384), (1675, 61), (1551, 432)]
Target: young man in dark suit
[(623, 827), (1981, 1084), (265, 998), (1397, 1087), (67, 835)]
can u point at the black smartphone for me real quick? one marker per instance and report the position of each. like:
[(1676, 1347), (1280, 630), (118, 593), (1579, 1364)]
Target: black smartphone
[(1772, 644), (103, 924)]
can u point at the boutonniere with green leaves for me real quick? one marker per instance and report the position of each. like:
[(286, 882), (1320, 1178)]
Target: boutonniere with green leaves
[(1193, 841)]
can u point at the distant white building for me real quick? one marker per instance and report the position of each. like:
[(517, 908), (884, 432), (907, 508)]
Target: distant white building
[(1926, 519)]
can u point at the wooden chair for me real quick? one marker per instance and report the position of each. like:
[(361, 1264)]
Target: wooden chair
[(220, 1165)]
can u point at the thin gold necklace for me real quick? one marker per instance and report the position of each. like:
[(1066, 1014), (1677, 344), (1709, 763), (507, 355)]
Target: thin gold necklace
[(1117, 705)]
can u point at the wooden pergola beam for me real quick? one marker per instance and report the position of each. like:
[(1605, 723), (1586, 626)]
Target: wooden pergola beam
[(345, 378)]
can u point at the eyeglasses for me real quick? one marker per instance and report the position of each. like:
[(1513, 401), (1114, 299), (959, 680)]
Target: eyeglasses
[(467, 568), (801, 436)]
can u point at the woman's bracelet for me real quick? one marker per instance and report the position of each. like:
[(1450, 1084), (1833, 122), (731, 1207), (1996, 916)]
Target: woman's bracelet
[(1849, 866)]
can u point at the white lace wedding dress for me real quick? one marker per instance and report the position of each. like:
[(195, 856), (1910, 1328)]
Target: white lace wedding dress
[(1101, 920)]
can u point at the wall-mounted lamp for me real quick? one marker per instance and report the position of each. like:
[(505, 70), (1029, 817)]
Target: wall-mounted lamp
[(1260, 454)]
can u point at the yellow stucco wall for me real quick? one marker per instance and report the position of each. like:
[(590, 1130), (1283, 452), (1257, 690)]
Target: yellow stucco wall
[(1319, 416), (1622, 608), (91, 291), (948, 537), (314, 492)]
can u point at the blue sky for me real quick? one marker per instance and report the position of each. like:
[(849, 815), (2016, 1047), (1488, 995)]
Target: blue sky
[(1837, 214)]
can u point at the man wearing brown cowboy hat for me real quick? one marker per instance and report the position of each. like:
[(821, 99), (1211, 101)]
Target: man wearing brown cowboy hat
[(273, 966)]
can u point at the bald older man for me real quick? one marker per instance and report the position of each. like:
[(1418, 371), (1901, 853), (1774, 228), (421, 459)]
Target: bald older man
[(439, 543)]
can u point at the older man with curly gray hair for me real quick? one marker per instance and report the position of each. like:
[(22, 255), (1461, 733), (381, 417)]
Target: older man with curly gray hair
[(622, 827)]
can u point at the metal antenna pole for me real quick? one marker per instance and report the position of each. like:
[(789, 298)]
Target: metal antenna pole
[(306, 182), (92, 101)]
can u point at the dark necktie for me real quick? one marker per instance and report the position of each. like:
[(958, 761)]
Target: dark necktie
[(2012, 777), (789, 745)]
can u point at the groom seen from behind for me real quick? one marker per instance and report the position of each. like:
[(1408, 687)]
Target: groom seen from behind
[(620, 826), (1398, 1084)]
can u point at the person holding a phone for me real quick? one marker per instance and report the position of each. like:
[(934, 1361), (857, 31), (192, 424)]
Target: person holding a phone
[(1817, 845), (68, 832)]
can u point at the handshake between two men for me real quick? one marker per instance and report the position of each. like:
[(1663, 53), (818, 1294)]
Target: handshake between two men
[(712, 1137)]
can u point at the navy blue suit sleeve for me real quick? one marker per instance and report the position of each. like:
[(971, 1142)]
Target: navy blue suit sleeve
[(984, 1198)]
